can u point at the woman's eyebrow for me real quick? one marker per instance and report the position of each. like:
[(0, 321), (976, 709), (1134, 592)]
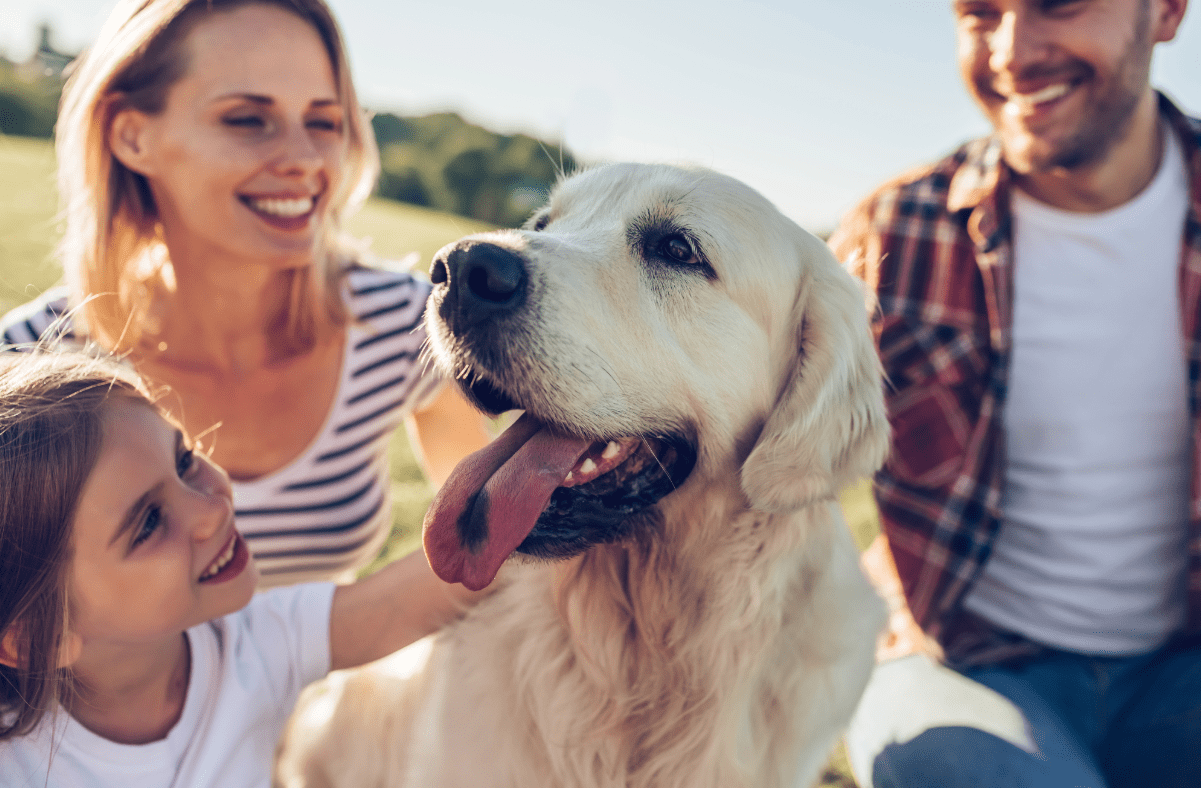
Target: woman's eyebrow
[(266, 101)]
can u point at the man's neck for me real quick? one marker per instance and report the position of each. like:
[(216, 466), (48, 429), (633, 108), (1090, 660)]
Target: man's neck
[(1128, 168)]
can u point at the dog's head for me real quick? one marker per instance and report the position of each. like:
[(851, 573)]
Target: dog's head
[(661, 328)]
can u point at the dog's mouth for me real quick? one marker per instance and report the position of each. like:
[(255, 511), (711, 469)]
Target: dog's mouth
[(543, 492)]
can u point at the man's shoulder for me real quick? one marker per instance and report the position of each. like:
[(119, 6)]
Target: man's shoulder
[(928, 184), (907, 205)]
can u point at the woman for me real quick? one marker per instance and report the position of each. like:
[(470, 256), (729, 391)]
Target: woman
[(208, 152)]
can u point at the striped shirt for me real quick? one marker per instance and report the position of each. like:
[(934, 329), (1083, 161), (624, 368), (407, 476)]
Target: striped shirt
[(937, 248), (326, 513)]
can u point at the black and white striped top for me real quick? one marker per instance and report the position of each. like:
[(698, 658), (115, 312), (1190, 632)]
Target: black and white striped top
[(325, 514)]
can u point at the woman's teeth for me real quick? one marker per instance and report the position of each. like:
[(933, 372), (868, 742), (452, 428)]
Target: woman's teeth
[(221, 561), (286, 207)]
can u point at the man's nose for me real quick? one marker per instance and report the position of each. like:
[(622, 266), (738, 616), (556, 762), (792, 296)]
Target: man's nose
[(1018, 41)]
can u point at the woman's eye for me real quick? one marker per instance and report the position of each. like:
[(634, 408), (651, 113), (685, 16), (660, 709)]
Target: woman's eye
[(324, 124), (245, 121), (151, 520)]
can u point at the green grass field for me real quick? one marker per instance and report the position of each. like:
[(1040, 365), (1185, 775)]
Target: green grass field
[(29, 231)]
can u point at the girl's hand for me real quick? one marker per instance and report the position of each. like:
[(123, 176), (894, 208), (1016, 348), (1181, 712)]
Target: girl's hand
[(396, 606)]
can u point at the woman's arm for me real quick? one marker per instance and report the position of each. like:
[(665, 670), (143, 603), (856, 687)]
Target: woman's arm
[(388, 610), (446, 431)]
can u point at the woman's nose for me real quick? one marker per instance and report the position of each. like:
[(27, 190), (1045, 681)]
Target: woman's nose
[(298, 153)]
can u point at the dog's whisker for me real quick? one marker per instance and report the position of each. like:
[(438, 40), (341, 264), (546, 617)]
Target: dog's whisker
[(662, 467)]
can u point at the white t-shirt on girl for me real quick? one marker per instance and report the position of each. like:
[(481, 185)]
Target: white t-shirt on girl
[(247, 670)]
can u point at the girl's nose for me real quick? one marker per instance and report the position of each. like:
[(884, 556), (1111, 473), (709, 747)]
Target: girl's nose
[(213, 501)]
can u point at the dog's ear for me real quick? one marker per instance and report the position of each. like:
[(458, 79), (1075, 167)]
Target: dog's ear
[(829, 425)]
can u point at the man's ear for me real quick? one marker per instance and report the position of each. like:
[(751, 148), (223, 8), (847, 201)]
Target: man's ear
[(1167, 15), (128, 138)]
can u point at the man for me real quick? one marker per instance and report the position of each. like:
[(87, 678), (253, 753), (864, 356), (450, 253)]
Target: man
[(1039, 321)]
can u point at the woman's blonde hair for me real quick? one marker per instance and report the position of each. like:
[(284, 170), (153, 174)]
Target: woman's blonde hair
[(112, 244)]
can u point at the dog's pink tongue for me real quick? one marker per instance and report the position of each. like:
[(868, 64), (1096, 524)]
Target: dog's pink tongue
[(492, 500)]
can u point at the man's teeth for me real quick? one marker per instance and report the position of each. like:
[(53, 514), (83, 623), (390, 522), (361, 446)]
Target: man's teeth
[(221, 561), (286, 207), (1049, 93)]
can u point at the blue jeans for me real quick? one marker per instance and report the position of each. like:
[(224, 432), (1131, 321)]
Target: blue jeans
[(1097, 722)]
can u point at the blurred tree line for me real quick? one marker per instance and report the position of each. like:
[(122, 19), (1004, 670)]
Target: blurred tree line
[(439, 161)]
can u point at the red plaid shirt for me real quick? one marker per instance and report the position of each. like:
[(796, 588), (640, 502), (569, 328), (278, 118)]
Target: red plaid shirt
[(936, 246)]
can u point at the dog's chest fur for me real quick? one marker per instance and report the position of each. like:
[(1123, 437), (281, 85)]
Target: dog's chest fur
[(665, 663)]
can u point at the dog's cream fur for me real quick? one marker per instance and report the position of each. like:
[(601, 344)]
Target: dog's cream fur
[(727, 643)]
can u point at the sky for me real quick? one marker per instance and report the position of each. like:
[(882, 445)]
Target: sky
[(812, 102)]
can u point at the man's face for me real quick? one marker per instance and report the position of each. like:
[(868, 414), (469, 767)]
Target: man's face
[(1058, 79)]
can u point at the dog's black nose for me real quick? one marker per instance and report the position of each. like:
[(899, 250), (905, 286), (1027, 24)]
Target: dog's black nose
[(481, 280)]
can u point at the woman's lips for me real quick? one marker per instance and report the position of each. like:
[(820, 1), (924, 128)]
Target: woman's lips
[(284, 213)]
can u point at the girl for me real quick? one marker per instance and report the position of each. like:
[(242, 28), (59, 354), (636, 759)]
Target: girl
[(133, 650), (209, 152)]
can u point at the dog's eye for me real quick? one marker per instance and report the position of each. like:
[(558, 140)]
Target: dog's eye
[(541, 222), (677, 247)]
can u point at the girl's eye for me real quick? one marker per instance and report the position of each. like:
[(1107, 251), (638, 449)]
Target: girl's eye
[(150, 523), (186, 460)]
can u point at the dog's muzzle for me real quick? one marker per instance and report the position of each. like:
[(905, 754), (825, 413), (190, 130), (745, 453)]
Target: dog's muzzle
[(477, 282)]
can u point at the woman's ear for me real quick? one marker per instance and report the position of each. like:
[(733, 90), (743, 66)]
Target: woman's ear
[(128, 138)]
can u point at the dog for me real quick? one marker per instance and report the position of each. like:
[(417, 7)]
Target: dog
[(684, 605)]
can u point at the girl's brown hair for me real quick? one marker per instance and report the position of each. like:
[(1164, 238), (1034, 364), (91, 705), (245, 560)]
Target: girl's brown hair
[(51, 404), (112, 243)]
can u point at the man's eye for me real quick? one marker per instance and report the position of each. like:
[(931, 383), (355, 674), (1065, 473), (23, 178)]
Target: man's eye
[(150, 523), (975, 12)]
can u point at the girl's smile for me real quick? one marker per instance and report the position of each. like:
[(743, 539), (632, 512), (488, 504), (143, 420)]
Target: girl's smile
[(156, 551)]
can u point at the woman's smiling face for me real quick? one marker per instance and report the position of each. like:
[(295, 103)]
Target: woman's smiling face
[(251, 144)]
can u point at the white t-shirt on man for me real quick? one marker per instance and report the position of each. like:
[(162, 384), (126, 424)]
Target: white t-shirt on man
[(1091, 556), (247, 670)]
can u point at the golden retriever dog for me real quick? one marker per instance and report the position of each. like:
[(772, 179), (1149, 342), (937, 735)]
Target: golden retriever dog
[(684, 607)]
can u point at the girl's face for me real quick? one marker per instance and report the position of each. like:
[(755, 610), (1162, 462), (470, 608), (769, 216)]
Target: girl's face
[(250, 145), (155, 548)]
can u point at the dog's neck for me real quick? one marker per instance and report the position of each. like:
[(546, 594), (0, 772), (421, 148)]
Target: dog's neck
[(682, 624)]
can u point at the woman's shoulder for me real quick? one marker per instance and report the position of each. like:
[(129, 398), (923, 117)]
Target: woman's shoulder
[(381, 294), (44, 317), (375, 278)]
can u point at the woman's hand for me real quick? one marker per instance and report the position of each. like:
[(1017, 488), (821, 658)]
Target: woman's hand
[(446, 431)]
